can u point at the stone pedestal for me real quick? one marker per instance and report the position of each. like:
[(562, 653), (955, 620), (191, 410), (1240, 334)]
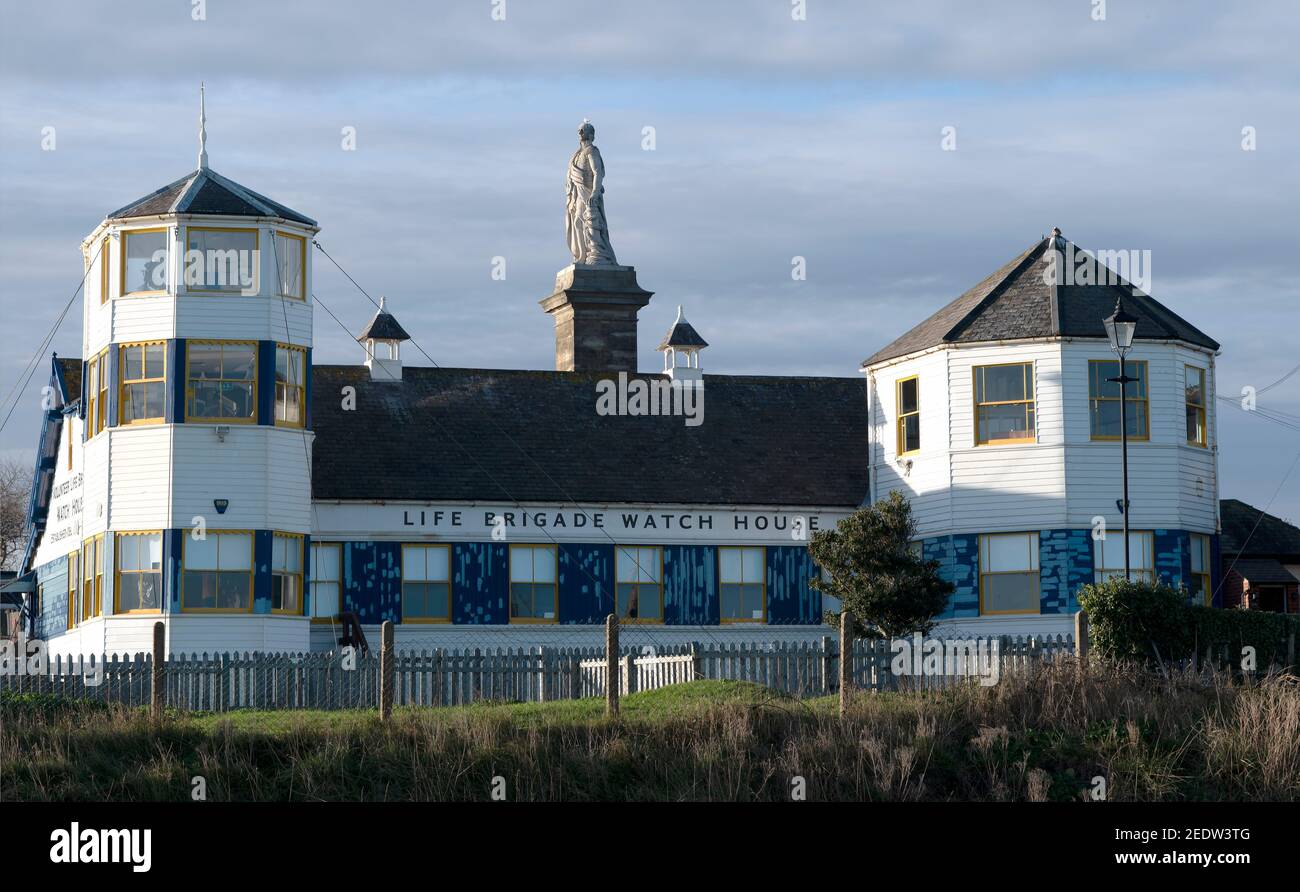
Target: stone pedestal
[(595, 309)]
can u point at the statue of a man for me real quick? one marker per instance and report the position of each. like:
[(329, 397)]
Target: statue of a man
[(588, 233)]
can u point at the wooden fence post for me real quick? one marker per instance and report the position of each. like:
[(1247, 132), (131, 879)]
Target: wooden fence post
[(611, 665), (1081, 636), (846, 661), (386, 675), (158, 695)]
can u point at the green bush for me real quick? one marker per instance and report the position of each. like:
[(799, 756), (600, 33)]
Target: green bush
[(1131, 620)]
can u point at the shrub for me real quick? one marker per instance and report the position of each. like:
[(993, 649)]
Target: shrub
[(1141, 621)]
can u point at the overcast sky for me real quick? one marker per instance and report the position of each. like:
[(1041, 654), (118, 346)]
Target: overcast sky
[(774, 138)]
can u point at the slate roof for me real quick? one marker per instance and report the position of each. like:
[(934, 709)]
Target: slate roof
[(204, 191), (384, 326), (1262, 571), (71, 371), (682, 334), (1015, 302), (1272, 537), (535, 436)]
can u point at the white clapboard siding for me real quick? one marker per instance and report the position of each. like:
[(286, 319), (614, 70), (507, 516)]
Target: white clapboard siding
[(140, 460)]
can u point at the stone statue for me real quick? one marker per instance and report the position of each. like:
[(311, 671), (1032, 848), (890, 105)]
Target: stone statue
[(588, 233)]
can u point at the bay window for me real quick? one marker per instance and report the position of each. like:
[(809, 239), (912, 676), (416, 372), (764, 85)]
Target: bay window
[(1009, 580), (286, 573), (221, 260), (1004, 404), (291, 265), (290, 387), (144, 261), (218, 572), (142, 385), (1104, 399), (139, 573), (1108, 556), (221, 381)]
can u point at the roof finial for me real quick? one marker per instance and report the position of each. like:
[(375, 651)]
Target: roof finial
[(203, 132), (383, 301)]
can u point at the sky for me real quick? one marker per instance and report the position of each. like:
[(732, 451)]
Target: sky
[(774, 137)]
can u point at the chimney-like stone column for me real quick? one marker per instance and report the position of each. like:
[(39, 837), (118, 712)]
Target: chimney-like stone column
[(595, 310)]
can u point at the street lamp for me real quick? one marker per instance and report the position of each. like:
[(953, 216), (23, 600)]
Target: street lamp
[(1120, 327)]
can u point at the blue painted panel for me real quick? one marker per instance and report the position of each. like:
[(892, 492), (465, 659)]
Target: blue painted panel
[(307, 391), (51, 610), (262, 540), (480, 583), (175, 411), (939, 548), (586, 578), (266, 382), (1172, 552), (173, 543), (306, 575), (372, 581), (690, 585), (81, 410), (966, 574), (790, 599), (1216, 571), (1064, 565)]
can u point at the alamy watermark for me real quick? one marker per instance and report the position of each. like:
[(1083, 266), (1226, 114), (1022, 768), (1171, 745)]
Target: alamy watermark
[(659, 396), (1077, 266)]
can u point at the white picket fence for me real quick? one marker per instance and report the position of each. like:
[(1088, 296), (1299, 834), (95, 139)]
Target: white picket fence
[(334, 680)]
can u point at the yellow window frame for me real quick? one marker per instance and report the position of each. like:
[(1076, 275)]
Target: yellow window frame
[(97, 393), (1148, 547), (617, 582), (1202, 542), (312, 551), (256, 287), (92, 585), (189, 382), (118, 571), (1036, 571), (121, 254), (302, 272), (252, 566), (900, 426), (104, 251), (1029, 403), (1145, 399), (123, 382), (510, 605), (301, 387), (74, 586), (302, 564), (762, 582), (438, 620), (1203, 423)]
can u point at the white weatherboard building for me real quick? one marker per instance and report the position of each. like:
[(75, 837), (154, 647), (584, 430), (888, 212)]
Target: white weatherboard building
[(197, 467)]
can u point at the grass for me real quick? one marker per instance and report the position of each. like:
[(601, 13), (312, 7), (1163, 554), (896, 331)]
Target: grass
[(1043, 735)]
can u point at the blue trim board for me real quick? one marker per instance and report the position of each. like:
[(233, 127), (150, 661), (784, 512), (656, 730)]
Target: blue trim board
[(266, 382), (262, 543), (174, 413), (173, 551)]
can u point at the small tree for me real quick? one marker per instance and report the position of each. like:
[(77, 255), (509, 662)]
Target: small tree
[(870, 564)]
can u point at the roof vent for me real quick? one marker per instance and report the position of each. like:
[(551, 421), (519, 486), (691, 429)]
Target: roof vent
[(681, 348), (384, 331)]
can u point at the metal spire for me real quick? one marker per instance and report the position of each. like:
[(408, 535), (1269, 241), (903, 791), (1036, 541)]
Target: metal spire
[(203, 133)]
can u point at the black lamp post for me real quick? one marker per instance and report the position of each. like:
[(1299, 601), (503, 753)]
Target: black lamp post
[(1120, 328)]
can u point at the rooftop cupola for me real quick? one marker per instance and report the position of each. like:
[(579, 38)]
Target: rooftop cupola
[(681, 348), (384, 331)]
